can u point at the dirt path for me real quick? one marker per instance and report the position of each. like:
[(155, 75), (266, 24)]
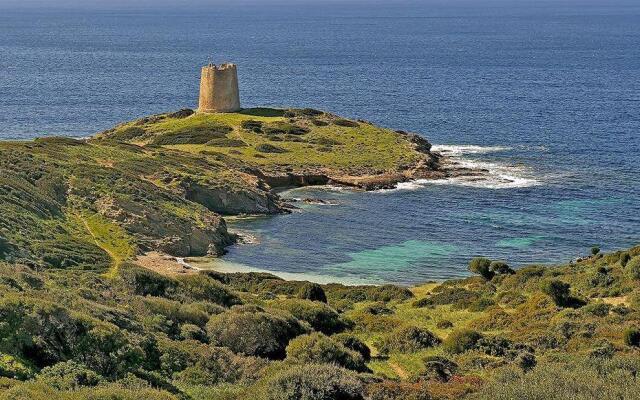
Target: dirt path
[(399, 371), (115, 260)]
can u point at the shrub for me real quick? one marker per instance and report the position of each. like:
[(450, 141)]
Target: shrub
[(269, 148), (408, 339), (481, 266), (501, 268), (192, 135), (526, 361), (311, 382), (595, 250), (193, 332), (599, 309), (318, 348), (439, 368), (481, 304), (283, 128), (495, 346), (346, 122), (631, 337), (460, 341), (378, 308), (144, 282), (183, 113), (558, 291), (11, 367), (624, 259), (444, 324), (128, 133), (226, 142), (251, 125), (633, 268), (313, 292), (353, 343), (68, 375), (253, 332), (388, 293), (319, 122), (460, 297), (320, 316), (201, 287), (390, 390)]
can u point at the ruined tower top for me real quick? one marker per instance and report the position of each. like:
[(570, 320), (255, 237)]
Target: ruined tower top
[(219, 90)]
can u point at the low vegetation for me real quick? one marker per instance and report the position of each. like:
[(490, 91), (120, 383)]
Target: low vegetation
[(77, 334)]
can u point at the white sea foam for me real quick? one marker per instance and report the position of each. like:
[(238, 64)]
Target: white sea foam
[(459, 150), (488, 174)]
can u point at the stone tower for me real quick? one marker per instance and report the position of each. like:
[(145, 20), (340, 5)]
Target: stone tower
[(219, 89)]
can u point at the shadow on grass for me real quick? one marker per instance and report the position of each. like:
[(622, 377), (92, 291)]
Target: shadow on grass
[(263, 112)]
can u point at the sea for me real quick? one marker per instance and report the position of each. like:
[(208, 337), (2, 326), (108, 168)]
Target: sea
[(544, 96)]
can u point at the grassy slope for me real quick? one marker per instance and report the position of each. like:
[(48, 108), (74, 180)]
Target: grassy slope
[(364, 148)]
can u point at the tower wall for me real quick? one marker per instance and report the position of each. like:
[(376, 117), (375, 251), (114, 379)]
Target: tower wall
[(219, 90)]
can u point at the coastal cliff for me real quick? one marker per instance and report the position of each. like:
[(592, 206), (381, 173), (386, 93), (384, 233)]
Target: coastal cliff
[(164, 182)]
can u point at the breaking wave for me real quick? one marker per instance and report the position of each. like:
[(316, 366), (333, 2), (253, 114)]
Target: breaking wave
[(486, 174)]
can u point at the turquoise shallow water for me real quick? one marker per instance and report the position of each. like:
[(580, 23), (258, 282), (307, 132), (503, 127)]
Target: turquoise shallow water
[(544, 96)]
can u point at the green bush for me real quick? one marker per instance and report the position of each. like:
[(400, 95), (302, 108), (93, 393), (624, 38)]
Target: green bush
[(312, 291), (144, 282), (284, 128), (482, 267), (346, 122), (193, 135), (574, 380), (408, 339), (595, 250), (461, 341), (226, 142), (526, 361), (320, 316), (390, 390), (353, 343), (457, 296), (320, 349), (254, 332), (444, 324), (269, 148), (193, 332), (251, 125), (624, 259), (631, 337), (501, 268), (599, 309), (126, 134), (633, 268), (439, 368), (69, 375), (558, 291), (310, 382), (202, 287), (11, 367)]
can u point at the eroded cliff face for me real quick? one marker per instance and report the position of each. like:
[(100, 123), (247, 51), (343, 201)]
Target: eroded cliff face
[(227, 200)]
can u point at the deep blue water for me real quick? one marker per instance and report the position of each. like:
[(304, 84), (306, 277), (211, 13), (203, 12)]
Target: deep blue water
[(548, 93)]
